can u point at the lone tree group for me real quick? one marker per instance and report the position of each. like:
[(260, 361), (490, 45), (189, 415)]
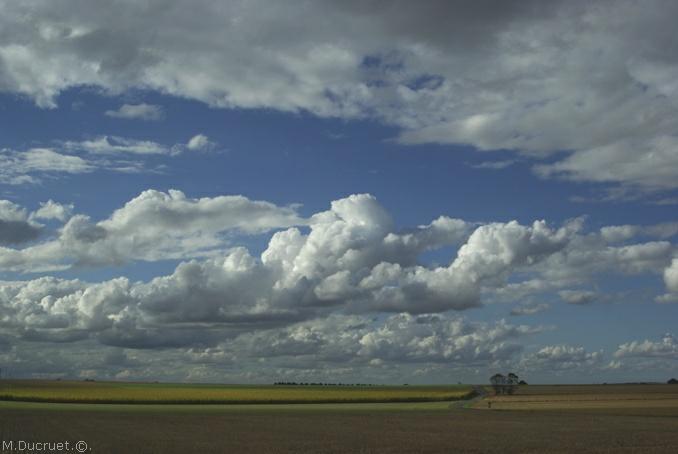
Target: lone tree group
[(505, 384)]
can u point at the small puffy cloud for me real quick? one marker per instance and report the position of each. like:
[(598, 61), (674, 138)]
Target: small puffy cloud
[(590, 255), (115, 144), (46, 160), (667, 347), (199, 142), (671, 282), (650, 164), (10, 211), (143, 111), (529, 309), (562, 357), (578, 297), (441, 232), (619, 233), (671, 276), (107, 152), (17, 167), (493, 165), (667, 298), (53, 210)]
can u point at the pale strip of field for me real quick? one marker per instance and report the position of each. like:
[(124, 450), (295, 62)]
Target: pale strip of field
[(582, 397), (571, 404), (399, 407), (563, 397), (612, 389)]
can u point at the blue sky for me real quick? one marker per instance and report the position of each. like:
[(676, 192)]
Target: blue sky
[(369, 207)]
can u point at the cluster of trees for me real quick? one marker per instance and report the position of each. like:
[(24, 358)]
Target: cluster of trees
[(293, 383), (506, 384), (672, 381)]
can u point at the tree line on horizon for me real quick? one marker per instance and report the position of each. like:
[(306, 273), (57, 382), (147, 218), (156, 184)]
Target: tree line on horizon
[(294, 383)]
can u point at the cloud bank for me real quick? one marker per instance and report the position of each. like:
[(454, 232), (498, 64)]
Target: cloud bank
[(348, 261), (490, 74)]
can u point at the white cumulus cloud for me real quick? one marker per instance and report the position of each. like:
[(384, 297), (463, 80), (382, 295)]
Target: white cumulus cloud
[(53, 210), (153, 226), (143, 111), (114, 144), (199, 142), (667, 347)]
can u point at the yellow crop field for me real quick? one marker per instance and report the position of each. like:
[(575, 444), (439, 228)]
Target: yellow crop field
[(116, 392)]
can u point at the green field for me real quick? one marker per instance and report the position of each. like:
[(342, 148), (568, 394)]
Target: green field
[(163, 393)]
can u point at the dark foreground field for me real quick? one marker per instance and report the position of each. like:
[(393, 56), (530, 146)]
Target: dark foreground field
[(374, 429), (623, 420)]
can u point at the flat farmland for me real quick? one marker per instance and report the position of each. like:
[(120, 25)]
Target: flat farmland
[(437, 427), (164, 393), (563, 397), (402, 427)]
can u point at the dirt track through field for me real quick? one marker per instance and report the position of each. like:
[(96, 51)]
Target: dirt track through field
[(480, 394)]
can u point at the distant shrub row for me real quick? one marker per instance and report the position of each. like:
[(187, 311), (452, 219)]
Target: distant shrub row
[(294, 383)]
